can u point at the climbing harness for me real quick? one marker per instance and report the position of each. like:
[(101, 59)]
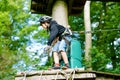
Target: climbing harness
[(67, 31)]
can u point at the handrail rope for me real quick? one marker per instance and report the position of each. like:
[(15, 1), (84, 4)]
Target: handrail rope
[(69, 75), (56, 76), (63, 73), (93, 31), (24, 78), (45, 78), (73, 74), (41, 75), (101, 30)]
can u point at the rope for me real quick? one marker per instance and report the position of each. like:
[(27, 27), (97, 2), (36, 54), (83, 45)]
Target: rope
[(97, 31), (56, 76), (41, 75), (41, 78), (73, 75), (24, 76), (68, 76), (106, 30), (44, 78), (64, 74)]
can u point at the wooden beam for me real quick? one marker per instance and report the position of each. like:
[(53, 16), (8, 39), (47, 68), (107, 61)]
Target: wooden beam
[(48, 72), (70, 2), (77, 8), (77, 73), (49, 6)]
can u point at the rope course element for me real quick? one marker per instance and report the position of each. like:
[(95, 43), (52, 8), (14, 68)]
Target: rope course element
[(68, 76), (73, 75), (24, 76), (56, 75), (94, 31), (64, 74), (41, 75)]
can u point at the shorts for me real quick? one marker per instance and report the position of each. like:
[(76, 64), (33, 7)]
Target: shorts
[(61, 45)]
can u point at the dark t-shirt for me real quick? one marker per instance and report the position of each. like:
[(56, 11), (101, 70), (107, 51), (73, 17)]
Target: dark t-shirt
[(56, 30)]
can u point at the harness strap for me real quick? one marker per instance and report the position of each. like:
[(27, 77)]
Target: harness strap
[(68, 42), (67, 31)]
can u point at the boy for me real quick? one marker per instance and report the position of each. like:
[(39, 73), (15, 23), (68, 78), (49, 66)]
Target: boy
[(57, 32)]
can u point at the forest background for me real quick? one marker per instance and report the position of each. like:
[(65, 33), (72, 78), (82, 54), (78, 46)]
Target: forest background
[(20, 33)]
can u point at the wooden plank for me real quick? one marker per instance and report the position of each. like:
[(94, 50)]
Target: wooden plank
[(58, 76), (49, 72)]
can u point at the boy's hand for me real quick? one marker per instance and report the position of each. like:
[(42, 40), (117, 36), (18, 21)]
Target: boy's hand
[(47, 48)]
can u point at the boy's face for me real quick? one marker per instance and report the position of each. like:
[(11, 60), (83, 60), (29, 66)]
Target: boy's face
[(44, 25)]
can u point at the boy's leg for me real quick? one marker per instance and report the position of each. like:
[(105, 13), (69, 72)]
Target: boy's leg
[(55, 56), (62, 49), (64, 56), (56, 59)]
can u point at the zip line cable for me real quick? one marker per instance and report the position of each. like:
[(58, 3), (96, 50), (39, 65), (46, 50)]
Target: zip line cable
[(81, 32)]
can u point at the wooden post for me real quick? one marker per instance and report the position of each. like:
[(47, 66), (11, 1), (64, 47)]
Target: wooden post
[(88, 38), (60, 12)]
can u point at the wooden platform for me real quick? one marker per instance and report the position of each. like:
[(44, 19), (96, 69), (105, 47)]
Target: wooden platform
[(71, 74), (55, 75)]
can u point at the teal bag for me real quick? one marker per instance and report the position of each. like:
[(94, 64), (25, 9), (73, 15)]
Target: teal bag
[(75, 54)]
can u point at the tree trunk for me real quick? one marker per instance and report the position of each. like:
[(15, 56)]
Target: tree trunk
[(60, 12), (88, 38)]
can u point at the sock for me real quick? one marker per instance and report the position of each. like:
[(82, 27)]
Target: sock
[(57, 64), (67, 65)]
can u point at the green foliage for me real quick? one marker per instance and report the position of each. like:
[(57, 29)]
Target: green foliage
[(99, 59), (48, 65), (105, 17), (7, 56), (11, 17), (26, 30), (105, 44), (76, 22), (5, 23), (40, 34)]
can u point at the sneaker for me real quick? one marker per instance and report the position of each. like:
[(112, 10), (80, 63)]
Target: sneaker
[(64, 67), (56, 67)]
